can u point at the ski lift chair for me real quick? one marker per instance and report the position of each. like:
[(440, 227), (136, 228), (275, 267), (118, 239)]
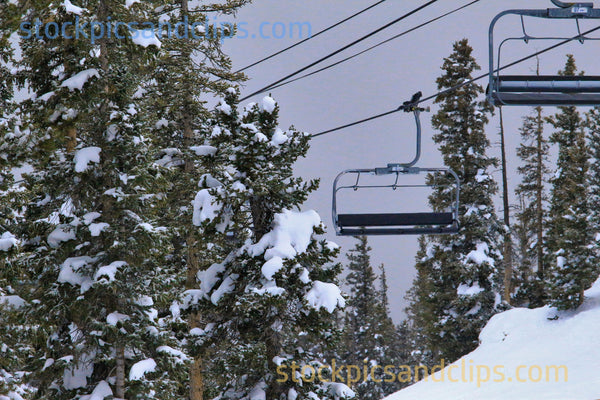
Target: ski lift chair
[(544, 90), (353, 224)]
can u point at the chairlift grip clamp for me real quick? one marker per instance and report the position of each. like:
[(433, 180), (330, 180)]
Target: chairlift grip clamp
[(412, 105)]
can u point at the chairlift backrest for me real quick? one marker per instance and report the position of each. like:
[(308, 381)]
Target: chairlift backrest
[(534, 90), (394, 223)]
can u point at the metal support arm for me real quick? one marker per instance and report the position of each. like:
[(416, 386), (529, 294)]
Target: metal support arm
[(562, 4)]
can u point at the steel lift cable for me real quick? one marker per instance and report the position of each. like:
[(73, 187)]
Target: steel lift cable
[(311, 37), (468, 82), (397, 20), (375, 46)]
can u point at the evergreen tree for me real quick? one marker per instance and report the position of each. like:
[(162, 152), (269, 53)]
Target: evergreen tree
[(593, 125), (177, 116), (369, 331), (91, 197), (531, 217), (458, 283), (270, 298), (571, 261), (394, 338)]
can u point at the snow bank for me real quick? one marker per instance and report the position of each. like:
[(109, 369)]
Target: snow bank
[(12, 301), (63, 233), (7, 241), (78, 80), (101, 391), (268, 104), (145, 37), (108, 271), (539, 356), (141, 368), (480, 255), (71, 8), (290, 236), (115, 317), (70, 272), (85, 156), (204, 150), (326, 295), (205, 207)]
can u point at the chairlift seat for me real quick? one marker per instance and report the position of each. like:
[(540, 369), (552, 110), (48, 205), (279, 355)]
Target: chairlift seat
[(397, 224), (402, 219), (546, 90), (415, 223)]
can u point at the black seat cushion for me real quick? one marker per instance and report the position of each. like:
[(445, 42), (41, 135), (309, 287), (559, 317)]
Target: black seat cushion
[(403, 219)]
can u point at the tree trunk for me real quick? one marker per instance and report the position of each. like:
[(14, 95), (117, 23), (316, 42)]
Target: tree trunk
[(262, 218), (273, 344), (539, 208), (193, 263), (508, 268), (71, 138), (194, 321), (197, 367), (120, 371)]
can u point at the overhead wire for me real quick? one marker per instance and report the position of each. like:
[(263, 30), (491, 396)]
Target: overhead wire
[(467, 82), (311, 36), (363, 38), (375, 46)]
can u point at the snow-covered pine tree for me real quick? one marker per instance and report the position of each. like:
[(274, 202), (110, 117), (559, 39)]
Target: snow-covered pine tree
[(531, 217), (571, 260), (394, 341), (14, 348), (266, 302), (18, 336), (189, 69), (90, 240), (593, 126), (369, 333), (458, 284)]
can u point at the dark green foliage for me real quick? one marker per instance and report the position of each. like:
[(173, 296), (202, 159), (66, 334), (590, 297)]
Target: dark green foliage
[(263, 316), (458, 279), (571, 258), (532, 215), (369, 334)]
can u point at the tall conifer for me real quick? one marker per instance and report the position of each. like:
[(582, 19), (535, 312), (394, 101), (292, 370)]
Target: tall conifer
[(531, 218), (571, 259), (271, 294), (458, 283)]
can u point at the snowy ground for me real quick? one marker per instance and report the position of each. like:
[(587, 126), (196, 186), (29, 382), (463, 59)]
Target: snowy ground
[(528, 345)]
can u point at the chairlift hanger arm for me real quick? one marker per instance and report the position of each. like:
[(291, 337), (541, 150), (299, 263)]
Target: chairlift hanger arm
[(412, 105)]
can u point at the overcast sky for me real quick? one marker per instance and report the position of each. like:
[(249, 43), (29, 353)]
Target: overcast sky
[(380, 81)]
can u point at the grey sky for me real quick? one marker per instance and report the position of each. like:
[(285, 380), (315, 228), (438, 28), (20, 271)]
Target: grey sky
[(380, 81)]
